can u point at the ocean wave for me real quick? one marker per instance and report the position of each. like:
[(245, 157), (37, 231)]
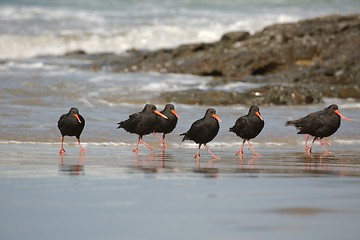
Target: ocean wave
[(58, 44), (27, 46), (57, 31), (66, 26)]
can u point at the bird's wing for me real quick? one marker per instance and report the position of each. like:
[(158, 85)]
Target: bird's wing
[(239, 124), (61, 121), (131, 122), (322, 126), (310, 123), (195, 128), (135, 117)]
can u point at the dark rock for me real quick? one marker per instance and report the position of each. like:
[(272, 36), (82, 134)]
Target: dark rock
[(204, 97), (284, 95), (268, 95), (75, 53), (233, 37)]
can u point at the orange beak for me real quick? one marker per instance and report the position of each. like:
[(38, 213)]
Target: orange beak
[(216, 117), (259, 115), (173, 112), (160, 114), (77, 117), (342, 116)]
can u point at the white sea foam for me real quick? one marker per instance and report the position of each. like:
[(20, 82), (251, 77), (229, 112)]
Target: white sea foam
[(174, 84), (56, 31), (237, 86), (26, 13), (148, 37), (347, 141), (28, 30), (27, 142), (27, 65)]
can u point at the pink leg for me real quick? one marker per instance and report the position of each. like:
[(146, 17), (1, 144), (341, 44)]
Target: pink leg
[(136, 149), (212, 155), (62, 150), (252, 149), (308, 151), (197, 155), (162, 140), (141, 141), (241, 152), (306, 141), (324, 143), (146, 144), (82, 150)]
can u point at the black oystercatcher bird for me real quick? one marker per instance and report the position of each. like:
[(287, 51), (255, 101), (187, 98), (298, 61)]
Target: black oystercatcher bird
[(142, 123), (166, 126), (203, 131), (71, 124), (248, 127), (319, 124)]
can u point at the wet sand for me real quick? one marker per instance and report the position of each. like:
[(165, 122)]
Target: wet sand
[(110, 193)]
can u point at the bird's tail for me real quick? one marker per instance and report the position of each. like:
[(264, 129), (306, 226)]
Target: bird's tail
[(185, 136), (120, 124), (290, 123)]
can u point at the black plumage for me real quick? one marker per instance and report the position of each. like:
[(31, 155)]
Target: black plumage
[(71, 124), (319, 124), (166, 126), (142, 123), (248, 127), (203, 131)]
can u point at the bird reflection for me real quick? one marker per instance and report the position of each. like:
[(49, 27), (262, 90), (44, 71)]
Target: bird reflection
[(251, 163), (323, 164), (325, 157), (209, 171), (72, 169), (153, 163)]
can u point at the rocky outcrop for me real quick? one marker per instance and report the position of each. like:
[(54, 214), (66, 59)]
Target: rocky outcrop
[(299, 63), (275, 94)]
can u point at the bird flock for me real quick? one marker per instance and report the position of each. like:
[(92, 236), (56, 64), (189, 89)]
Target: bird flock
[(318, 124)]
